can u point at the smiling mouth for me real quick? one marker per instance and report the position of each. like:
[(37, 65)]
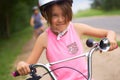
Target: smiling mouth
[(60, 24), (56, 31)]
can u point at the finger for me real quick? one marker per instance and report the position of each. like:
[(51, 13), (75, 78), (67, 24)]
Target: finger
[(115, 46), (20, 71), (27, 70), (111, 47)]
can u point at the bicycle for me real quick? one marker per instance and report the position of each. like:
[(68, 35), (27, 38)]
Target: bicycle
[(103, 45)]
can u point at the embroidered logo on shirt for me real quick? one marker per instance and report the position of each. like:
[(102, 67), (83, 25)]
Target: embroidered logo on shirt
[(72, 48)]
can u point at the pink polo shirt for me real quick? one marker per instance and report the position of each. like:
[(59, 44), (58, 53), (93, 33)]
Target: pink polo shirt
[(67, 46)]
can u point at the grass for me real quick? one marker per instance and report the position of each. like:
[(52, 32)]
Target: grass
[(118, 43), (94, 12), (9, 50)]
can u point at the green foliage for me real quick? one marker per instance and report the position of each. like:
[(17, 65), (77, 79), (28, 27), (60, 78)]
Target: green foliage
[(14, 15), (10, 49), (86, 13), (118, 43), (20, 17), (95, 12), (106, 4)]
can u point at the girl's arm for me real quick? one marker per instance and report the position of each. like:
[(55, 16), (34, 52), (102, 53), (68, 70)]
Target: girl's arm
[(38, 49), (32, 21), (96, 32), (23, 67)]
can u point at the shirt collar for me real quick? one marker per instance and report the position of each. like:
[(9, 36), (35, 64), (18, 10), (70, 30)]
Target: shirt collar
[(60, 35)]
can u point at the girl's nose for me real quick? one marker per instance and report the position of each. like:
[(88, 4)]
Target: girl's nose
[(61, 19)]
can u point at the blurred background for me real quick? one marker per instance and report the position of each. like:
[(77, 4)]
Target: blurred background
[(16, 34)]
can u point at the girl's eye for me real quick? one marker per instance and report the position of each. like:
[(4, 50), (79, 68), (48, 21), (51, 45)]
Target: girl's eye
[(54, 15)]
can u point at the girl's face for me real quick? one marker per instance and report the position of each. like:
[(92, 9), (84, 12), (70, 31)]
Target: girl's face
[(58, 22), (36, 11)]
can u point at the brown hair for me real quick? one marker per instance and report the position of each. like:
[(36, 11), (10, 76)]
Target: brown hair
[(64, 5)]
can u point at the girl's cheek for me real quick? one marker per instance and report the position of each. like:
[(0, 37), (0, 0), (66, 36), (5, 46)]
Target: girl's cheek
[(54, 21)]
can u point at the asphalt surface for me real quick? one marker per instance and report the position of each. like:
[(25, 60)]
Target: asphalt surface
[(106, 22)]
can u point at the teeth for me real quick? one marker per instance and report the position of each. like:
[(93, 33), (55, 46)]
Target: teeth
[(56, 31)]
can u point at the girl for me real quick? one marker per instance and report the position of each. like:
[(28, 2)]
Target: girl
[(62, 40), (36, 22)]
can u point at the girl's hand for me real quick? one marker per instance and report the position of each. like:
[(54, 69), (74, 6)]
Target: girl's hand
[(23, 68), (113, 44), (111, 35)]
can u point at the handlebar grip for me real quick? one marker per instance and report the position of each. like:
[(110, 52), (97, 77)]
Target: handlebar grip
[(32, 69), (15, 74)]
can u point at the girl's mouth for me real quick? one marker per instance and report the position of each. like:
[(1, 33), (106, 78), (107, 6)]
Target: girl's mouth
[(56, 31), (60, 24)]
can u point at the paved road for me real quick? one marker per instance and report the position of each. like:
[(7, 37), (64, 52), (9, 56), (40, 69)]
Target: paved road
[(107, 22)]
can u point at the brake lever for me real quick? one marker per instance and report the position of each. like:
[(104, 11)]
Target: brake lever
[(33, 74), (34, 78)]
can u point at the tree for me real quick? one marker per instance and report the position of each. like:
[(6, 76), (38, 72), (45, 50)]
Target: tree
[(14, 15), (106, 4)]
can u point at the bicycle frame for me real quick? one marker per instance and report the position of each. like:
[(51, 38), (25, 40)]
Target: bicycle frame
[(89, 63), (103, 45)]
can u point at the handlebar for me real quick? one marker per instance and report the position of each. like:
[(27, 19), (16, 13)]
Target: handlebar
[(103, 45)]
